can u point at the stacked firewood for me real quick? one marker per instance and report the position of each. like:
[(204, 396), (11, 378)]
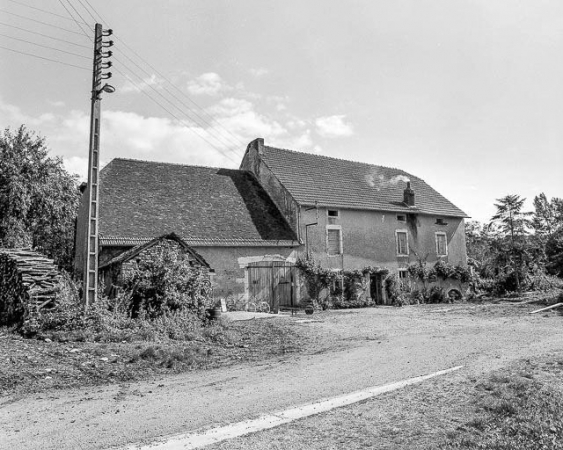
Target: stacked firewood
[(28, 281)]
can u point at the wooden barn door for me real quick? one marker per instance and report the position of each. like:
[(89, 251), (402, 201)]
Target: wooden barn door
[(272, 282)]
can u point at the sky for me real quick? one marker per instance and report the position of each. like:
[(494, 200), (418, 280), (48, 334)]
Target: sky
[(467, 95)]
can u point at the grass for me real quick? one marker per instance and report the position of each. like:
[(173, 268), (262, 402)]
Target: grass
[(69, 359), (516, 408)]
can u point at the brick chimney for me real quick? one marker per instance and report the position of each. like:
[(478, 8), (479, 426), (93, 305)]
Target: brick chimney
[(408, 195)]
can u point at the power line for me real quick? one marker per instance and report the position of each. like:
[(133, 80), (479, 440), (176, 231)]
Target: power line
[(42, 10), (73, 18), (43, 23), (46, 59), (193, 130), (44, 35), (178, 90), (224, 139), (164, 78), (44, 46), (181, 112), (88, 11)]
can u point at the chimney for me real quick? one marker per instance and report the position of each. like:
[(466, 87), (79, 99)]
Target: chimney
[(408, 195), (258, 144)]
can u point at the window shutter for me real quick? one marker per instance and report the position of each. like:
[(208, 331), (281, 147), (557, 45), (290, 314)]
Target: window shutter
[(333, 242)]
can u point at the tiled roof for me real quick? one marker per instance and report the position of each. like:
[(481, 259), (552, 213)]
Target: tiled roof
[(340, 183), (131, 253), (141, 200)]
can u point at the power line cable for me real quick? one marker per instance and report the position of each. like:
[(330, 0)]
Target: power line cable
[(222, 143), (178, 90), (76, 21), (166, 80), (44, 35), (224, 139), (44, 46), (43, 23), (88, 11), (193, 130), (42, 10), (46, 59)]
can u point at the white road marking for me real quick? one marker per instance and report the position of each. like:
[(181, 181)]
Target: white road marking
[(202, 438)]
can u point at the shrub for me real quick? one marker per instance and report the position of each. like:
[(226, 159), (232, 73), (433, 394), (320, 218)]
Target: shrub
[(167, 283), (436, 295)]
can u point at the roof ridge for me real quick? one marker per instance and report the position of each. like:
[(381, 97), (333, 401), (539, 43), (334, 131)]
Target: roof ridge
[(170, 163), (339, 159)]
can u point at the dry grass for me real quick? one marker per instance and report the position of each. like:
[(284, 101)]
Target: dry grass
[(33, 365), (517, 408)]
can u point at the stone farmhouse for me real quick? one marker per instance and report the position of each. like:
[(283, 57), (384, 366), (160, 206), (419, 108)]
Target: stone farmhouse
[(250, 225)]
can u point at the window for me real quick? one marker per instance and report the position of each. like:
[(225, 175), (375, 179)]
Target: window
[(402, 242), (440, 221), (441, 244), (401, 218), (332, 216), (403, 275), (333, 240)]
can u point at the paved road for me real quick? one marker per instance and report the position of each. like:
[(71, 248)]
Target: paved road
[(386, 345)]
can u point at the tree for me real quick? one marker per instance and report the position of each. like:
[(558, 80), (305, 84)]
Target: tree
[(548, 216), (513, 225), (554, 253), (38, 197)]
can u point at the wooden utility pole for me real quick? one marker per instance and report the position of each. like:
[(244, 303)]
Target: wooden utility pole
[(90, 289)]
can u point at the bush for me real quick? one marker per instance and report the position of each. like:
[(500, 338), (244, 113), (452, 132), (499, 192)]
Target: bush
[(436, 295), (167, 283)]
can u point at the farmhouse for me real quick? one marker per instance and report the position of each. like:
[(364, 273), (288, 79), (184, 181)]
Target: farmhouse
[(350, 215), (250, 225)]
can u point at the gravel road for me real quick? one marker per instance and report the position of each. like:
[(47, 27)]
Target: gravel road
[(349, 350)]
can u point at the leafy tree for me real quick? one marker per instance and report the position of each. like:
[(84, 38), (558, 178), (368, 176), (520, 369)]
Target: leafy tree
[(548, 215), (514, 255), (509, 217), (554, 253), (38, 198)]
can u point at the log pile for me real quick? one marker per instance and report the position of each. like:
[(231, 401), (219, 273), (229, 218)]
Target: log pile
[(28, 281)]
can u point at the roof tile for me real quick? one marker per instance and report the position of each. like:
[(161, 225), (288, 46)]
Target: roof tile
[(311, 178)]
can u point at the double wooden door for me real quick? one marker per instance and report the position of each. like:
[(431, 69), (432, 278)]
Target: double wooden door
[(272, 282)]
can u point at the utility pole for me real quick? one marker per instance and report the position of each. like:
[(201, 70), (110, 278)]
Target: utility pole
[(90, 288)]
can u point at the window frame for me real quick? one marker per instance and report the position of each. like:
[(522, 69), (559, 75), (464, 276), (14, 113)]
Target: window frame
[(441, 233), (340, 246), (406, 232)]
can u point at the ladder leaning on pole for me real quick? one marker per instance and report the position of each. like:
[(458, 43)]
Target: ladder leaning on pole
[(90, 287)]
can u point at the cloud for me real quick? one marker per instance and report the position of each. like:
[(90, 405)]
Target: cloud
[(259, 72), (132, 85), (333, 126), (17, 117), (206, 84)]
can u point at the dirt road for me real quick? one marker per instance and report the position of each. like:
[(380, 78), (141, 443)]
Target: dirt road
[(349, 350)]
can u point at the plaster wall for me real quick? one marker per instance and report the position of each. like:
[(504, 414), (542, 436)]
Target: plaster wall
[(277, 192), (230, 263), (368, 238)]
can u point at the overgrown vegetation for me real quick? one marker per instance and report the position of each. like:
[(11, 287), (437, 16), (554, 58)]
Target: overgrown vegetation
[(164, 298), (514, 411), (518, 250), (38, 198), (337, 289)]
